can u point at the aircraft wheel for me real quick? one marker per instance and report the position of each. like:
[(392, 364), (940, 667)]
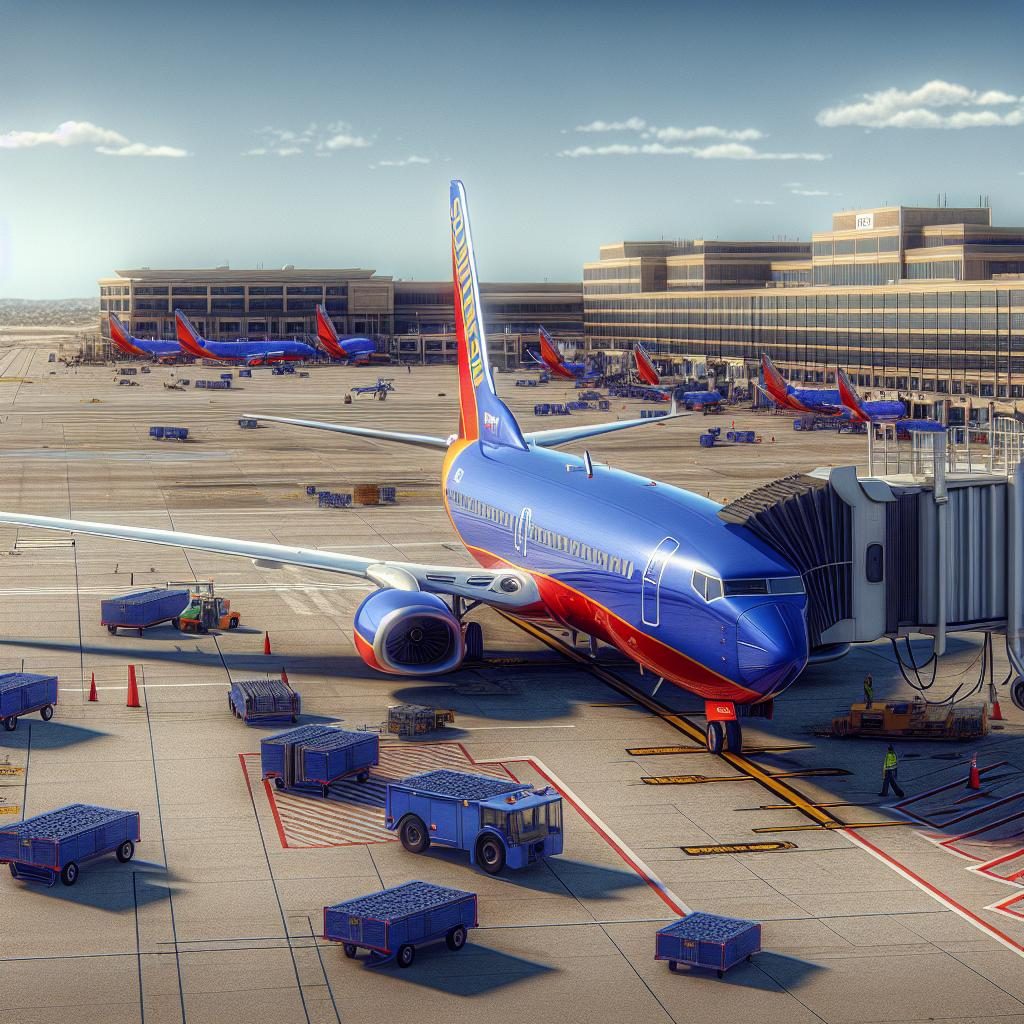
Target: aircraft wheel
[(715, 737), (1017, 692), (734, 737), (474, 642)]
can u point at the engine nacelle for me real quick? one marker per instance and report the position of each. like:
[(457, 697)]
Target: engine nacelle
[(408, 633)]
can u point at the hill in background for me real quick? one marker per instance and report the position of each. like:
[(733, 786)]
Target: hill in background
[(48, 312)]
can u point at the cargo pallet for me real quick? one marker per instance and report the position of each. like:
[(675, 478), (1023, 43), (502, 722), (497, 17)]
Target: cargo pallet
[(708, 941), (390, 924), (21, 693), (143, 609), (264, 700), (313, 757), (53, 845)]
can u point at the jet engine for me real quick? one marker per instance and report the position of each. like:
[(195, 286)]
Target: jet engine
[(408, 633)]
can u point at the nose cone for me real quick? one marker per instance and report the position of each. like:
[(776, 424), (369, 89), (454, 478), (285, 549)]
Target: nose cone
[(771, 645)]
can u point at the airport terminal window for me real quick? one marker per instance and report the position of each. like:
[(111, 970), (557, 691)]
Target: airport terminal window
[(844, 247), (224, 289), (889, 243), (265, 289), (338, 289), (149, 290), (189, 290), (867, 245)]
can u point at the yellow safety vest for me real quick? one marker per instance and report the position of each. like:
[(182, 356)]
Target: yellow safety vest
[(890, 762)]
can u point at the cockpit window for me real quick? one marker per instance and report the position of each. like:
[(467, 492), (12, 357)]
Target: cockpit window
[(711, 588)]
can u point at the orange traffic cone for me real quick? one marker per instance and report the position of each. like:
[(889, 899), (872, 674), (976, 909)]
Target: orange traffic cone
[(266, 643), (93, 695), (997, 712), (974, 779), (284, 677), (133, 689)]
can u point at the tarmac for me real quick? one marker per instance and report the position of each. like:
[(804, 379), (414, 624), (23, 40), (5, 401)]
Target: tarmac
[(893, 911)]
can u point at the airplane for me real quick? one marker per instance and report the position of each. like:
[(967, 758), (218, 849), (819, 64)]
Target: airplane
[(355, 350), (252, 353), (646, 567), (840, 401), (645, 369), (123, 340), (379, 390), (553, 360)]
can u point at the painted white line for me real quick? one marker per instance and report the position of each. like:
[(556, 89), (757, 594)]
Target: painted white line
[(489, 728), (295, 604)]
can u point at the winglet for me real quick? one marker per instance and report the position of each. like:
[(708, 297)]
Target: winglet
[(327, 335), (850, 398), (482, 415), (189, 339), (644, 367), (122, 339)]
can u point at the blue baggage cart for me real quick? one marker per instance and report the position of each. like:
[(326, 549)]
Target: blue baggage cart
[(390, 924), (245, 373), (53, 845), (21, 693), (157, 432), (499, 821), (709, 941), (264, 700), (143, 609), (315, 756), (247, 424)]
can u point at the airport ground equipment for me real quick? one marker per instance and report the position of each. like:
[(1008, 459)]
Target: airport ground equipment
[(145, 369), (128, 383), (379, 390), (708, 941), (417, 719), (652, 414), (53, 845), (247, 424), (313, 757), (227, 376), (741, 436), (207, 611), (169, 433), (143, 609), (245, 373), (913, 719), (392, 923), (257, 701), (127, 371), (21, 693), (500, 822), (331, 499)]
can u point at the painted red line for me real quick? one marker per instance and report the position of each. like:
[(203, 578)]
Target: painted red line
[(903, 805), (942, 897)]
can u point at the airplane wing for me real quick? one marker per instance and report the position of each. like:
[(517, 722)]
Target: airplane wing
[(566, 435), (420, 440), (471, 582)]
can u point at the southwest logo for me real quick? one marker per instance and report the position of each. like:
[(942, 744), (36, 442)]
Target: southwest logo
[(467, 298), (491, 422)]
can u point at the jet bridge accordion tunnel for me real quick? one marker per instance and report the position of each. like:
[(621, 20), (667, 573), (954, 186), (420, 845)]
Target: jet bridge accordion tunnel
[(898, 555)]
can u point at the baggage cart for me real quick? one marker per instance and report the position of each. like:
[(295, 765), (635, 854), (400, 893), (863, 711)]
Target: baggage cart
[(313, 757), (417, 719), (21, 693), (708, 941), (264, 700), (247, 424), (53, 845), (143, 609), (245, 373), (392, 923)]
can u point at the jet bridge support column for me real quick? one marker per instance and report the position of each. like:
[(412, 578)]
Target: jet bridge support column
[(1015, 580), (941, 499)]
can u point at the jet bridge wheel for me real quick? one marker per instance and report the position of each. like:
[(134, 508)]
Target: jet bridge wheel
[(1017, 692)]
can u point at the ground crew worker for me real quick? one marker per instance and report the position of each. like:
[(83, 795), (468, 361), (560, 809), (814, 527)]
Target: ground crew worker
[(869, 690), (889, 766)]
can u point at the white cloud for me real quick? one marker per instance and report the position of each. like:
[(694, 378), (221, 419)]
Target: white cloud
[(812, 192), (755, 202), (631, 124), (936, 104), (719, 151), (297, 142), (706, 131), (85, 133), (406, 162)]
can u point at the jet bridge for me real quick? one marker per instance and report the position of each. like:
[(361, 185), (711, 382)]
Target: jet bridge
[(930, 540)]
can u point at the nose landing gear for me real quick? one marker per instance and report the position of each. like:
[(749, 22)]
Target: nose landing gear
[(723, 733)]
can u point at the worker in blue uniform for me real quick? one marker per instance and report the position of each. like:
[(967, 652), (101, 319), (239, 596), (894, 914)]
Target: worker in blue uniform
[(889, 767)]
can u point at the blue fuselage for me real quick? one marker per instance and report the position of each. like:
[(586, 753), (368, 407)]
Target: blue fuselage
[(647, 567)]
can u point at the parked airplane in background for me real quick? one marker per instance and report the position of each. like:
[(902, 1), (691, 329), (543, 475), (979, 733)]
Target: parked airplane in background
[(355, 350), (131, 346), (841, 401), (552, 358), (648, 568), (645, 369), (252, 353)]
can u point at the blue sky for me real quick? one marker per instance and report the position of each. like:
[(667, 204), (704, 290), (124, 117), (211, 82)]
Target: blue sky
[(324, 134)]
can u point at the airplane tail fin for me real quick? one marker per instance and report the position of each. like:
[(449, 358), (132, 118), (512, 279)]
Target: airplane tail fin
[(482, 415), (189, 339), (644, 367), (326, 333), (548, 349), (850, 398), (775, 384), (121, 338)]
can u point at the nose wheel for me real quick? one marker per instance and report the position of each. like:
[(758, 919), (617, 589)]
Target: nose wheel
[(722, 736)]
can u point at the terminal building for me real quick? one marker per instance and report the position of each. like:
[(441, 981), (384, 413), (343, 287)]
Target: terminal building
[(413, 320), (924, 302)]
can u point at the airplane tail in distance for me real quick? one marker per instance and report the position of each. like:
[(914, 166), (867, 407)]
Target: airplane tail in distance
[(850, 398), (644, 367), (775, 384), (482, 415), (548, 349), (190, 340), (121, 338), (326, 333)]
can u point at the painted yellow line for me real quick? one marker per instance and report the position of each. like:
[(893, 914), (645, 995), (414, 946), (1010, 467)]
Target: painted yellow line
[(835, 825), (683, 725)]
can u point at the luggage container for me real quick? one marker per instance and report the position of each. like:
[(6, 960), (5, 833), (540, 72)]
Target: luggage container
[(169, 433), (53, 845), (127, 371), (246, 424), (245, 373), (391, 923), (499, 821), (227, 376), (21, 693), (709, 941), (387, 495), (417, 719), (264, 700), (707, 440), (201, 383), (157, 432), (143, 609), (315, 756), (311, 489)]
